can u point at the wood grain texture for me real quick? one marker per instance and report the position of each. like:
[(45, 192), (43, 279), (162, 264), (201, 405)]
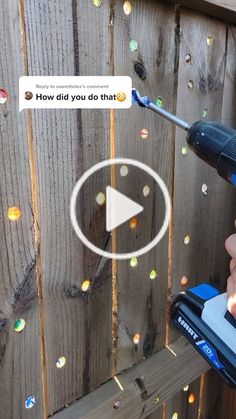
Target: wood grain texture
[(180, 404), (71, 38), (20, 356), (204, 259), (160, 376), (142, 302)]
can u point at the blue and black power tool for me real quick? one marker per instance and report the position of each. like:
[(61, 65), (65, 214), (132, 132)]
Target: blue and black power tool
[(201, 312)]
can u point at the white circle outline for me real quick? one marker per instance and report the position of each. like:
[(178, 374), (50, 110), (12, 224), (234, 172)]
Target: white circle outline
[(83, 238)]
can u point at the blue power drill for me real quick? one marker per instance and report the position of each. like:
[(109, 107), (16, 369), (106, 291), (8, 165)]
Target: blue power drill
[(201, 312)]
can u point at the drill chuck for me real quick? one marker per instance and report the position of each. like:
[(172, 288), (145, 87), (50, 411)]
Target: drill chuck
[(216, 145)]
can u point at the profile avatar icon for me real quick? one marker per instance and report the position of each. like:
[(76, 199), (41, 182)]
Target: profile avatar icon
[(28, 95)]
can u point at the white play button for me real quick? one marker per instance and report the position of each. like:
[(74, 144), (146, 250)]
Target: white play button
[(119, 208)]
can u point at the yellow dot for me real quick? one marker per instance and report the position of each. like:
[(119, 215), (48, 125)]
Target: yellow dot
[(100, 198), (153, 274), (175, 416), (187, 240), (97, 3), (184, 281), (136, 338), (61, 362), (191, 398), (186, 388), (127, 7), (210, 40), (14, 213), (184, 151), (85, 285), (134, 262), (133, 223)]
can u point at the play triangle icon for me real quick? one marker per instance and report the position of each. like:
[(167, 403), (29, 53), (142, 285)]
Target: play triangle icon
[(119, 208)]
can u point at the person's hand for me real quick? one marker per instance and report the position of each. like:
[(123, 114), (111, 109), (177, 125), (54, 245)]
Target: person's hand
[(230, 245)]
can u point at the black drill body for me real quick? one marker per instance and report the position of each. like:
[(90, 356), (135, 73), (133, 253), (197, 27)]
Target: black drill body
[(216, 145), (211, 141)]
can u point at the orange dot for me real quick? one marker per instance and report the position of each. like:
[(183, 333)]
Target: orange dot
[(191, 398), (184, 281), (136, 338), (133, 223), (14, 213)]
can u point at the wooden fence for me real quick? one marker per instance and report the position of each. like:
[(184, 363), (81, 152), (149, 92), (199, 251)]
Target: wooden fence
[(185, 59)]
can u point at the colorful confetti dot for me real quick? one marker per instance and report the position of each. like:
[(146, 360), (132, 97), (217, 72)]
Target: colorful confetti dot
[(124, 171), (127, 7), (184, 281), (144, 133), (30, 402), (117, 404), (204, 189), (3, 96), (175, 416), (159, 102), (210, 40), (133, 223), (100, 198), (187, 240), (136, 338), (186, 388), (146, 190), (188, 59), (204, 113), (134, 262), (14, 213), (97, 3), (153, 274), (61, 362), (86, 285), (133, 45), (191, 398), (19, 325), (190, 85), (184, 150)]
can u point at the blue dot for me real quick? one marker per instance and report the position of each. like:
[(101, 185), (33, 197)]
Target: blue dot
[(30, 402)]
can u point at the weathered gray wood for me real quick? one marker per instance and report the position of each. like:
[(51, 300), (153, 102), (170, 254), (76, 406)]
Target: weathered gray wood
[(215, 400), (142, 302), (78, 325), (160, 376), (20, 354), (205, 218)]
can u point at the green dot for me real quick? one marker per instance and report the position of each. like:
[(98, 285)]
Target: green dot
[(19, 325), (153, 274), (97, 3), (204, 113), (159, 102), (133, 45), (134, 262)]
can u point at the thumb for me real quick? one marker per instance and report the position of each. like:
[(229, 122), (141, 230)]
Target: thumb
[(231, 291)]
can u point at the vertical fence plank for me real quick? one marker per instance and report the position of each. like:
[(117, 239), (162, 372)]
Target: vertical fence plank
[(142, 301), (20, 358), (71, 38), (206, 219)]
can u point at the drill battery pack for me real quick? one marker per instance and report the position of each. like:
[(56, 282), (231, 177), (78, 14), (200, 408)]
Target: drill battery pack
[(201, 315)]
